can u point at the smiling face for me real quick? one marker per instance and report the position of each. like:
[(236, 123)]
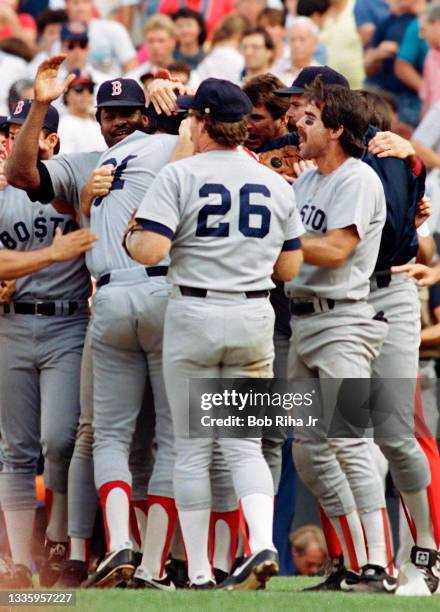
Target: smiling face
[(314, 136), (119, 122)]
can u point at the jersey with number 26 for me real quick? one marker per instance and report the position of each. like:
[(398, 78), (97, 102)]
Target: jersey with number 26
[(229, 218)]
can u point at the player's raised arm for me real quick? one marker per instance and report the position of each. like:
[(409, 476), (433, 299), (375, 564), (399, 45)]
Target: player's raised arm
[(14, 264), (22, 168)]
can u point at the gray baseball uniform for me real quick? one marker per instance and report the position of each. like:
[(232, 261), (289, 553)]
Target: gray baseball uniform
[(40, 353), (127, 322), (222, 222), (338, 338)]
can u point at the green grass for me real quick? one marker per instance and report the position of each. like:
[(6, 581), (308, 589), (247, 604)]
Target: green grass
[(282, 594)]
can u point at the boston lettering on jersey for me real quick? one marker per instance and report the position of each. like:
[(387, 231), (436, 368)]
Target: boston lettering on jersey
[(41, 227), (313, 217)]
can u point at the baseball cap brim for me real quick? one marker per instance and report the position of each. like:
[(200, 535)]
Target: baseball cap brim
[(15, 120), (186, 102), (289, 91), (120, 103)]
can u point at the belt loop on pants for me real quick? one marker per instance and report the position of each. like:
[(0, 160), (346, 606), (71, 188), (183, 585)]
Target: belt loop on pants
[(301, 308)]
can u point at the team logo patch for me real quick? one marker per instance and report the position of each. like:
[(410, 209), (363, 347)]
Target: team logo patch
[(19, 107), (116, 88)]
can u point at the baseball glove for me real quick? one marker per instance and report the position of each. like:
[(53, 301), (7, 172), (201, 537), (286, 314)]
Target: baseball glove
[(281, 160), (132, 227)]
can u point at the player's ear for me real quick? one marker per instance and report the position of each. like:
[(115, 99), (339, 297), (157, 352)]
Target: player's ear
[(335, 134)]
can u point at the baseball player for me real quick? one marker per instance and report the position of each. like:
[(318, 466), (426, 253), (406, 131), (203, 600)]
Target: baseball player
[(219, 321), (41, 335), (334, 333), (64, 177)]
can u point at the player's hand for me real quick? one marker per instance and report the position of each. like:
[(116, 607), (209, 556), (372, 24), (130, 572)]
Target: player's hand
[(47, 87), (303, 165), (423, 275), (388, 144), (69, 246), (423, 211), (163, 93), (101, 180), (7, 290)]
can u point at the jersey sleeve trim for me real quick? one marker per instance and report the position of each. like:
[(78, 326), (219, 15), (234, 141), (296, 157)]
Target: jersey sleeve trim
[(157, 228), (292, 245), (45, 194)]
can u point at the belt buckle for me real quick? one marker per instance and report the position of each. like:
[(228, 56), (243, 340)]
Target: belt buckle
[(36, 313)]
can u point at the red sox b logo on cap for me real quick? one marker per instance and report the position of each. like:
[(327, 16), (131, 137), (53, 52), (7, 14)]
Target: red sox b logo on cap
[(116, 88), (19, 107)]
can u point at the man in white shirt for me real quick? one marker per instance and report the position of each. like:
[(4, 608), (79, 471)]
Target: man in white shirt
[(78, 130), (11, 68)]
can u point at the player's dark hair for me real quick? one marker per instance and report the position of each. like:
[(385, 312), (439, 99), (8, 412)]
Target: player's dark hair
[(260, 91), (272, 16), (378, 109), (49, 17), (186, 13), (132, 108), (225, 134), (340, 108), (306, 8), (268, 41), (163, 123), (46, 133), (179, 67)]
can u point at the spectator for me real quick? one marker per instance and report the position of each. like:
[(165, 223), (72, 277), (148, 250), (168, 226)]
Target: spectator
[(274, 22), (343, 43), (368, 14), (49, 29), (79, 132), (410, 60), (380, 58), (11, 68), (111, 49), (13, 25), (213, 12), (225, 61), (303, 40), (159, 45), (258, 48), (250, 9), (75, 46), (430, 89), (180, 71), (308, 549), (23, 89), (191, 35), (316, 11)]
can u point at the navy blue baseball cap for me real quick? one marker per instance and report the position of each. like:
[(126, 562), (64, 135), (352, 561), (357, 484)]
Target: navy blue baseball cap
[(308, 75), (74, 30), (4, 125), (21, 111), (120, 92), (222, 100)]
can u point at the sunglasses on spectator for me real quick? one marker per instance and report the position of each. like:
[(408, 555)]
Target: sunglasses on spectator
[(77, 43), (80, 88)]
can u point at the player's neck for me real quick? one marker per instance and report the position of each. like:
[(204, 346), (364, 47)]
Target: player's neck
[(214, 146), (331, 161)]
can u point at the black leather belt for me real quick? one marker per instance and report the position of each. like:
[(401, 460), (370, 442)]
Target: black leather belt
[(153, 271), (202, 293), (47, 309), (306, 308), (383, 279)]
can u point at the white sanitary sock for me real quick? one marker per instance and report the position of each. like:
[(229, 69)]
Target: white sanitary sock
[(117, 515), (351, 536), (418, 506), (258, 512), (20, 528), (195, 530)]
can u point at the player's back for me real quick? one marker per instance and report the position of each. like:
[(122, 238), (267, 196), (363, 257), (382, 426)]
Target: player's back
[(234, 216)]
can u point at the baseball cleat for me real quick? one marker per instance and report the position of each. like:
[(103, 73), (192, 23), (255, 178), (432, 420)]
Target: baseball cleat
[(55, 554), (203, 586), (341, 579), (220, 576), (116, 567), (16, 576), (374, 579), (141, 580), (420, 575), (253, 573), (177, 571), (72, 574)]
